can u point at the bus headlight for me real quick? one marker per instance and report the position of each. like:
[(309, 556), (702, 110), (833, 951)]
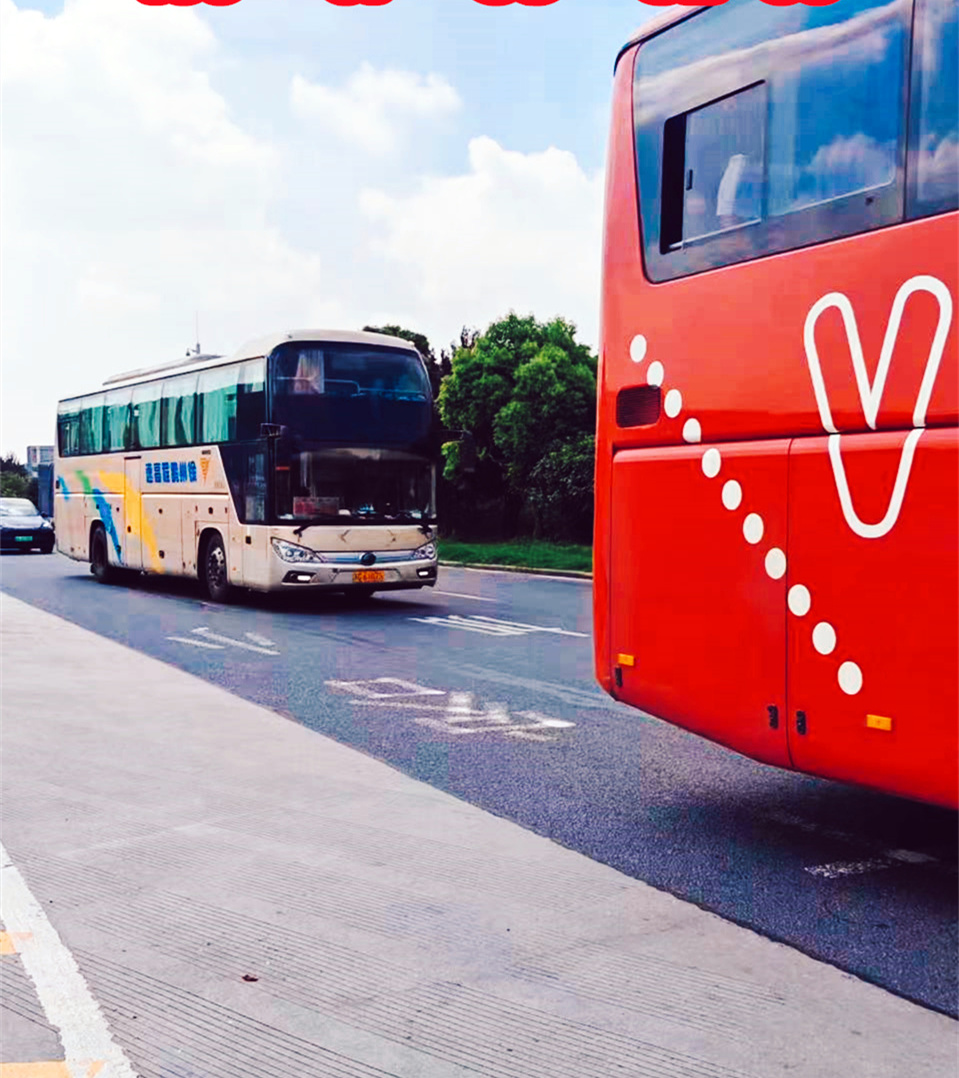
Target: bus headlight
[(426, 552), (294, 553)]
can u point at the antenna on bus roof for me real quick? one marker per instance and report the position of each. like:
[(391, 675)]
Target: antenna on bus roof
[(196, 323)]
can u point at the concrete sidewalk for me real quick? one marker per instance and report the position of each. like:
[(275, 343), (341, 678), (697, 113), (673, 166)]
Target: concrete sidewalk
[(246, 897)]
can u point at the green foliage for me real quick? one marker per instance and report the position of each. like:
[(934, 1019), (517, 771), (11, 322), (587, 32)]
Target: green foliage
[(560, 490), (525, 389), (522, 553), (15, 479)]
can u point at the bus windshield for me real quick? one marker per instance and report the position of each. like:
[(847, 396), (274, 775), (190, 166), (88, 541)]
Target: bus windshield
[(369, 485), (350, 394)]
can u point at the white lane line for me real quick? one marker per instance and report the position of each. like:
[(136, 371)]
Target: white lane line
[(60, 987), (454, 622), (255, 638), (211, 635), (195, 643), (528, 628), (460, 595)]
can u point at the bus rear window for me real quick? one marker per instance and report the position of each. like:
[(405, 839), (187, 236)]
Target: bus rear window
[(761, 129)]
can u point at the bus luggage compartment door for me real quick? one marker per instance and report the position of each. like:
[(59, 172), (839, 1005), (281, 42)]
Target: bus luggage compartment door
[(697, 586), (874, 618)]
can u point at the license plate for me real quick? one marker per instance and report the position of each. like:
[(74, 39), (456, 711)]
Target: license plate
[(23, 538), (369, 576)]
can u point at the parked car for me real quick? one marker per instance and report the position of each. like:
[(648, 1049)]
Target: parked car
[(23, 528)]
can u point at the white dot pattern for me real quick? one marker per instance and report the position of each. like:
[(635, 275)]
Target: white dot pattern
[(712, 462), (799, 599), (753, 528), (775, 563), (732, 494), (824, 638), (850, 678)]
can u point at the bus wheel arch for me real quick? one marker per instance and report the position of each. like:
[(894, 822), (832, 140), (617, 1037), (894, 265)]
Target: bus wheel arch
[(212, 569), (100, 565)]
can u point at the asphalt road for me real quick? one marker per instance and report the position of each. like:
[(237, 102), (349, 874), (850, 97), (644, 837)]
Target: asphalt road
[(484, 688)]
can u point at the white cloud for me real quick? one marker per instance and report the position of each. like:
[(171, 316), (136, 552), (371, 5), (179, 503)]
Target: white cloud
[(373, 106), (131, 199), (517, 231)]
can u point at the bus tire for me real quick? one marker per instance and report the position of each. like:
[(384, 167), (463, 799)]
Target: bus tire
[(100, 565), (213, 569)]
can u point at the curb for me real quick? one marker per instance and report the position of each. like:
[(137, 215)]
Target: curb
[(573, 574)]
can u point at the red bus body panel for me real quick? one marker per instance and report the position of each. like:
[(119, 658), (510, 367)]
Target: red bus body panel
[(771, 388)]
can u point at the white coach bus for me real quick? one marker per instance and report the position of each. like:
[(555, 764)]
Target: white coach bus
[(304, 460)]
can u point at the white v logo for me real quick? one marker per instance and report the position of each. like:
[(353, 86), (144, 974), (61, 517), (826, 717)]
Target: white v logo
[(870, 393)]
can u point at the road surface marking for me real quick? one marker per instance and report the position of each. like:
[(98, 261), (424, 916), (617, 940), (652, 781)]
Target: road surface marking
[(211, 635), (460, 595), (195, 643), (255, 638), (63, 994), (480, 623), (460, 714), (362, 688), (9, 941), (836, 869)]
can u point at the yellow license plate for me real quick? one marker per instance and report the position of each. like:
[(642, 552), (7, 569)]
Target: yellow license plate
[(369, 576)]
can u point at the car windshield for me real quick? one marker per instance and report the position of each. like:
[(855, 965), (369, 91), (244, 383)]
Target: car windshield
[(17, 507)]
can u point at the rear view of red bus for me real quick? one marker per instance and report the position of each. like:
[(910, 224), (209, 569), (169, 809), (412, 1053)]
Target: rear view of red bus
[(777, 474)]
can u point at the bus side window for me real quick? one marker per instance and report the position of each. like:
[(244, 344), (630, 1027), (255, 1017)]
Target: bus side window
[(117, 427), (217, 392), (251, 400), (146, 415), (68, 429), (91, 425), (178, 422), (933, 165)]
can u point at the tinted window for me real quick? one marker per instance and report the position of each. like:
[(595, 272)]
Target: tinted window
[(351, 394), (116, 434), (934, 141), (91, 425), (217, 390), (68, 429), (146, 415), (251, 399), (179, 410), (762, 128)]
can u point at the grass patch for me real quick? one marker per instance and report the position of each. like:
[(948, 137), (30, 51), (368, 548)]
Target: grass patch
[(528, 553)]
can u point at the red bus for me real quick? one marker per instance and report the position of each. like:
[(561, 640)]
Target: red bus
[(777, 473)]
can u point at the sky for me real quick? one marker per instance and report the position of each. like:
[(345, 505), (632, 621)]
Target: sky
[(282, 164)]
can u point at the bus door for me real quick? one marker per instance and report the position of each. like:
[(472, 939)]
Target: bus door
[(873, 603), (131, 524), (697, 586)]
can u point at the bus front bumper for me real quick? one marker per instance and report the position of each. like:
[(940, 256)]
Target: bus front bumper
[(380, 577)]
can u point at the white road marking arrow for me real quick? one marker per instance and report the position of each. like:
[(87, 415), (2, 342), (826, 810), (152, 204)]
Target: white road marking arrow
[(211, 635)]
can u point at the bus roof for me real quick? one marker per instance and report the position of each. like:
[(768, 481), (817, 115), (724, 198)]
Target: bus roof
[(656, 24), (262, 346)]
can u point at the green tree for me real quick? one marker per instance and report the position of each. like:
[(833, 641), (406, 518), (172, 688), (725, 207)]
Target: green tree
[(524, 389), (15, 479)]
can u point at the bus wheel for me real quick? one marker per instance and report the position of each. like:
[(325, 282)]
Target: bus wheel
[(99, 559), (213, 574)]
